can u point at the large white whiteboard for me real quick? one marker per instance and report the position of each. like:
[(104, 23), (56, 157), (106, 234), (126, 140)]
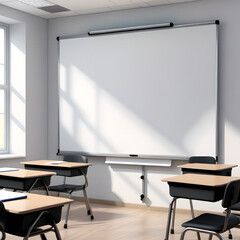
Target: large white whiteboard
[(147, 92)]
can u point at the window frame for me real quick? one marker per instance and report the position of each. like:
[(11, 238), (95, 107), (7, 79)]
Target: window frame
[(5, 88)]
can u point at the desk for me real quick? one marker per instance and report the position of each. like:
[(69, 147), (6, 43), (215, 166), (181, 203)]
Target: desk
[(25, 215), (203, 168), (199, 187), (25, 180), (68, 169)]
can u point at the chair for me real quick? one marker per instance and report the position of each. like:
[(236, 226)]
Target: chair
[(2, 220), (20, 226), (70, 188), (193, 159), (235, 210), (202, 159), (214, 224), (31, 225)]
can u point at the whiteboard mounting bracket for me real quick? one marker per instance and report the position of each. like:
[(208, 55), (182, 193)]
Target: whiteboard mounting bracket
[(130, 29)]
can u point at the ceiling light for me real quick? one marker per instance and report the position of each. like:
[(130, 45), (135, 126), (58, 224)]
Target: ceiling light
[(37, 3)]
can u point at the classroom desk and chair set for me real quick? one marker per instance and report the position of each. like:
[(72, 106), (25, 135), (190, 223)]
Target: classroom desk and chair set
[(35, 214), (36, 211), (204, 182)]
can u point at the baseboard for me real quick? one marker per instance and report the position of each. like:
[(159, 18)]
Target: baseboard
[(119, 204), (135, 205), (132, 205)]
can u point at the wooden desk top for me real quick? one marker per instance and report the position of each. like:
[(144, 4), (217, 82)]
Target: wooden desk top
[(201, 179), (49, 163), (24, 173), (33, 203), (208, 167)]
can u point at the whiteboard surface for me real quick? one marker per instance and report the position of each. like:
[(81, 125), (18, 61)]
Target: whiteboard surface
[(147, 93)]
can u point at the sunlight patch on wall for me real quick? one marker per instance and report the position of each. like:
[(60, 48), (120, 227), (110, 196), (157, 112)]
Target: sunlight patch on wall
[(99, 121)]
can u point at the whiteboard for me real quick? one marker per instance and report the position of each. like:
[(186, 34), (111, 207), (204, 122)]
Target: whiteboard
[(150, 93)]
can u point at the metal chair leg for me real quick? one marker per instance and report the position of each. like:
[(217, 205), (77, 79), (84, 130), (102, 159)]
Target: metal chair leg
[(230, 234), (56, 231), (193, 216), (43, 184), (89, 209), (52, 228), (201, 230), (43, 237), (174, 213), (169, 218), (68, 210), (173, 217), (191, 207), (183, 234), (210, 237)]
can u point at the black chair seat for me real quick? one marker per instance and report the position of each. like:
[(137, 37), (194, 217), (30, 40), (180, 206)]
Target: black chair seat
[(235, 210), (211, 222), (236, 207), (66, 188)]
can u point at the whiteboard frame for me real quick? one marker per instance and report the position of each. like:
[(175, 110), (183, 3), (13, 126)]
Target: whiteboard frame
[(143, 29)]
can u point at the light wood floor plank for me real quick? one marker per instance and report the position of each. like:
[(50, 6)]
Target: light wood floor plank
[(120, 223)]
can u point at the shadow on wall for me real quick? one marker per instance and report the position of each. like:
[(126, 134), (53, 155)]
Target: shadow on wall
[(100, 181)]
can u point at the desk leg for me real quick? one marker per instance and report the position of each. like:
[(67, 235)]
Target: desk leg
[(173, 216), (89, 209), (193, 216), (43, 184), (57, 233), (169, 218), (191, 207), (53, 227), (68, 209)]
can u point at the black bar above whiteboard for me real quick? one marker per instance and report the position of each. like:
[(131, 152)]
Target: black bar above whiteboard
[(129, 29)]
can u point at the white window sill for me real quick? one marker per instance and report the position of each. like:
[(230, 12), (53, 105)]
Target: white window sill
[(10, 156)]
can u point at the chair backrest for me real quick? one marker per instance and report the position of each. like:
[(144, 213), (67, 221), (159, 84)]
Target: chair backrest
[(202, 159), (231, 194), (77, 158)]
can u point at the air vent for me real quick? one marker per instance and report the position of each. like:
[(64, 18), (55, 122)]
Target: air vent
[(54, 9)]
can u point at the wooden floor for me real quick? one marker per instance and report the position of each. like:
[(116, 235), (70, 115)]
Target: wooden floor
[(120, 223)]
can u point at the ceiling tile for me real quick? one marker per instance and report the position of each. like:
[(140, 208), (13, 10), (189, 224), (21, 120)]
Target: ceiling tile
[(156, 2), (116, 7), (49, 15), (1, 1), (125, 4), (122, 2), (180, 1), (94, 10), (140, 3), (83, 5), (77, 7), (67, 14), (57, 15), (23, 7)]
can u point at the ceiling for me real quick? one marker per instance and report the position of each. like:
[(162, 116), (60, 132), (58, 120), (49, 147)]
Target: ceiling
[(78, 7)]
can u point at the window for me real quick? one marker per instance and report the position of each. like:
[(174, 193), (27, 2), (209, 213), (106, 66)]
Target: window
[(3, 90)]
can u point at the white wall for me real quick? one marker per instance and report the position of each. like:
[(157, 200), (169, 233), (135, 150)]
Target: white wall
[(122, 183), (31, 90)]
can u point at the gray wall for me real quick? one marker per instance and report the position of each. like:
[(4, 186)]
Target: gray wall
[(108, 182), (36, 83)]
